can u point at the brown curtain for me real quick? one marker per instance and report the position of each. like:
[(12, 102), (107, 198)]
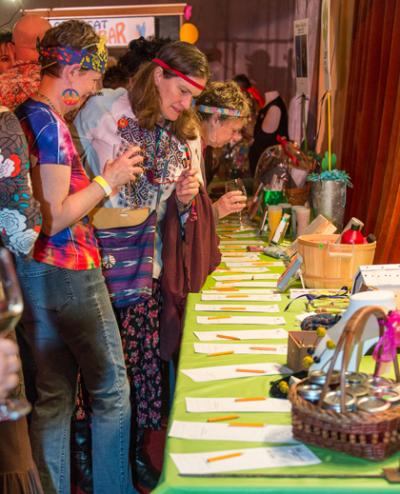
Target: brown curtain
[(371, 142)]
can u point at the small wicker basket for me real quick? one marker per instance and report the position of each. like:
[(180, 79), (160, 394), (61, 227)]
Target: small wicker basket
[(368, 435)]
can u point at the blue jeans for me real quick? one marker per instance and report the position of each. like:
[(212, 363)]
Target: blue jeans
[(69, 322)]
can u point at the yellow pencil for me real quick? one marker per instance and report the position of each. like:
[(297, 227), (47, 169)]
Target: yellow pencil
[(233, 308), (225, 417), (218, 317), (255, 371), (271, 348), (217, 354), (246, 424), (223, 457), (226, 337), (251, 398)]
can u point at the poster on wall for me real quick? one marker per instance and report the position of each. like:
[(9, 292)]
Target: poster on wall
[(325, 43), (118, 31), (301, 54)]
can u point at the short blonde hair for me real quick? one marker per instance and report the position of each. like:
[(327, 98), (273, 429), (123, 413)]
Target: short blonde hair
[(224, 95)]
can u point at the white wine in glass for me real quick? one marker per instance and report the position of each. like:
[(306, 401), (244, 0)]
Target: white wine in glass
[(237, 184), (11, 307)]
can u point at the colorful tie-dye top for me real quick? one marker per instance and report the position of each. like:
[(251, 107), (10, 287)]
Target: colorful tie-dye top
[(49, 143)]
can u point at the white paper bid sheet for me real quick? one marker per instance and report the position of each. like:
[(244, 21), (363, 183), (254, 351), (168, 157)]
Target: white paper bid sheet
[(250, 458)]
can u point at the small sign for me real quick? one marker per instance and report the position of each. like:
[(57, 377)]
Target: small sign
[(301, 53), (377, 276), (118, 31), (290, 273)]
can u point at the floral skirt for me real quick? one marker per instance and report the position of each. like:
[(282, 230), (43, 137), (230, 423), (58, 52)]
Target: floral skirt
[(140, 333)]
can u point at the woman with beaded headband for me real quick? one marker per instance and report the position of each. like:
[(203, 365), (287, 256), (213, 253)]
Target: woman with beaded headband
[(156, 112), (68, 317), (223, 111)]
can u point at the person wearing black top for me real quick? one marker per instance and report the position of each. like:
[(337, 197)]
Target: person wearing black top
[(272, 120)]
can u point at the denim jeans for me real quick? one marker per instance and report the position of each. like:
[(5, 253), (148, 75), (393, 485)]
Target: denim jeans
[(69, 321)]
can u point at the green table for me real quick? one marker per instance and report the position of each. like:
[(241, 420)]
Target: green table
[(333, 463)]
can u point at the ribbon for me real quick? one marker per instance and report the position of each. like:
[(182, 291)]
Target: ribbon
[(285, 145), (386, 348), (186, 78)]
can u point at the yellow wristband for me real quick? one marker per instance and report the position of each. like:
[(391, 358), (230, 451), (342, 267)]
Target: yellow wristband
[(103, 184)]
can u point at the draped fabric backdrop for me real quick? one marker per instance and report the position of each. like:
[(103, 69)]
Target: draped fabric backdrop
[(371, 123)]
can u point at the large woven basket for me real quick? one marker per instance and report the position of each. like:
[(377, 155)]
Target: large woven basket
[(368, 435)]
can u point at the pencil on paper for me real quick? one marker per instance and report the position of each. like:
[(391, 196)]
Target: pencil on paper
[(255, 371), (270, 348), (225, 417), (218, 317), (223, 457), (246, 424), (233, 308), (226, 337), (237, 296), (251, 398), (217, 354)]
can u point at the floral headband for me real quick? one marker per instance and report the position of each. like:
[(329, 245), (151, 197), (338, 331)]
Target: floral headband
[(66, 55), (221, 111)]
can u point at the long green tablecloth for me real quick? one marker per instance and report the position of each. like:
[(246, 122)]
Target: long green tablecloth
[(333, 463)]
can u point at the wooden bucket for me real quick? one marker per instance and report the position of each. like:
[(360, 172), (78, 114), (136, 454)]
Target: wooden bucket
[(330, 265)]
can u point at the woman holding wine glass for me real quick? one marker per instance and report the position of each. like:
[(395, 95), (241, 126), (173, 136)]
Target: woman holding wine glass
[(223, 110), (156, 112), (68, 318)]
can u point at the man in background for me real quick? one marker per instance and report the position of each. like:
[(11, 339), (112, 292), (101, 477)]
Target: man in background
[(22, 80)]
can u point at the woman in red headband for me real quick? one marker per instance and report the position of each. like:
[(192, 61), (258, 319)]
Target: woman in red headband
[(156, 113)]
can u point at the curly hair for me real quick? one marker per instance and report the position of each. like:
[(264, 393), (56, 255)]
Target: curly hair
[(144, 95), (74, 33), (224, 95)]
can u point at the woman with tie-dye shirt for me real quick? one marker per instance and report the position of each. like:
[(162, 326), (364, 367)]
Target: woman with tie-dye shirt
[(68, 318)]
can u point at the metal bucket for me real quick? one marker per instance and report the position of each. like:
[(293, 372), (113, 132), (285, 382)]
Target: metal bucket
[(328, 198)]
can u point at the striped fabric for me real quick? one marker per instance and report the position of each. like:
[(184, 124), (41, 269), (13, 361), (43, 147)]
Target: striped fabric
[(127, 261)]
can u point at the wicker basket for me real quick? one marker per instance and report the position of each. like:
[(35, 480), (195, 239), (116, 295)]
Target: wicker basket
[(368, 435)]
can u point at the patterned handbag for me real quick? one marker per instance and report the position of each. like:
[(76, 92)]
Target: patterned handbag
[(127, 259)]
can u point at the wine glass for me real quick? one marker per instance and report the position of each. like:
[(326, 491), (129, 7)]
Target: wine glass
[(126, 192), (237, 184), (11, 306)]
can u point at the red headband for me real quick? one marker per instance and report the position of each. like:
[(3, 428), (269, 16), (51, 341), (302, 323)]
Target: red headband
[(179, 74)]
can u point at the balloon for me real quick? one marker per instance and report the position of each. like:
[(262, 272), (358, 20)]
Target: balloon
[(189, 33)]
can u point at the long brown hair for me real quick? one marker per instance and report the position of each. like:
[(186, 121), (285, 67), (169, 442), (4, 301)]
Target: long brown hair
[(144, 95)]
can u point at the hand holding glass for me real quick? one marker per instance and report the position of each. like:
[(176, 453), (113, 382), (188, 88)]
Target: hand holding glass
[(126, 190), (237, 184), (10, 311)]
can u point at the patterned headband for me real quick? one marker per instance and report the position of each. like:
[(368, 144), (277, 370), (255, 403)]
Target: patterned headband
[(221, 111), (186, 78), (66, 55)]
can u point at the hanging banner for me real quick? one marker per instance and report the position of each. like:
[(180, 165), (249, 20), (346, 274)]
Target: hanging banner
[(301, 53), (118, 31), (325, 43)]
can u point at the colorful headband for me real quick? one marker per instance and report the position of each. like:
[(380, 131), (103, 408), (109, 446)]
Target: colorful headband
[(222, 111), (179, 74), (66, 55)]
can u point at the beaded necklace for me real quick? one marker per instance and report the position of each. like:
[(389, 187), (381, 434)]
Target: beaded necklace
[(49, 103)]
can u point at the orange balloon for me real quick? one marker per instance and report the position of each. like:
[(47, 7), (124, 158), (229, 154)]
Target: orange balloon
[(189, 33)]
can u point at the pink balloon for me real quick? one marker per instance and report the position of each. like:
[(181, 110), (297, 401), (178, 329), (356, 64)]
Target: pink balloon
[(187, 12)]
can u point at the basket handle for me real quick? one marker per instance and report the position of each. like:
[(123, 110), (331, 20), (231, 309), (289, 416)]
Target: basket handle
[(350, 336)]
